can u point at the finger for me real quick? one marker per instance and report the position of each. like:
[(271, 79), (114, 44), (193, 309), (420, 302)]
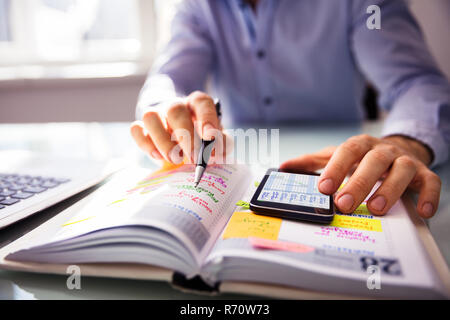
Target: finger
[(361, 183), (400, 176), (143, 140), (160, 137), (205, 113), (429, 193), (309, 162), (221, 146), (180, 121), (342, 161)]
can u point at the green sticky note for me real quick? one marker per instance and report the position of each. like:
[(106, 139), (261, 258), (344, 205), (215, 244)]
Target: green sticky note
[(243, 204)]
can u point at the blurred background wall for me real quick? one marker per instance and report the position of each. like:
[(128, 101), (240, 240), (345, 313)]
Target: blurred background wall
[(86, 60)]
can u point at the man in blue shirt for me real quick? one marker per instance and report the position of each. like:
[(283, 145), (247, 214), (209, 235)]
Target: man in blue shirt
[(272, 61)]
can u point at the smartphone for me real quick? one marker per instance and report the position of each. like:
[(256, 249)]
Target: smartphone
[(293, 196)]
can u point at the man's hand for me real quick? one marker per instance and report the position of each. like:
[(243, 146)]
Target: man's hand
[(169, 133), (399, 161)]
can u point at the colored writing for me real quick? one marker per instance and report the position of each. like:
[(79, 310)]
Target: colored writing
[(78, 221), (197, 189), (213, 178), (184, 209), (210, 184), (247, 224), (194, 198), (344, 234), (148, 185), (349, 250), (220, 167), (279, 245), (351, 222)]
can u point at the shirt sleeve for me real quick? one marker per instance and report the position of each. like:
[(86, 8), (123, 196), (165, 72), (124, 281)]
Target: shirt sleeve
[(183, 65), (396, 60)]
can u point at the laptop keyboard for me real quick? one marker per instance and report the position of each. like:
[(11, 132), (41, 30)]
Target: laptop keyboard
[(15, 188)]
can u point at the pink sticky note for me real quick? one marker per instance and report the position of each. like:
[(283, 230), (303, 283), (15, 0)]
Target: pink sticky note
[(279, 245)]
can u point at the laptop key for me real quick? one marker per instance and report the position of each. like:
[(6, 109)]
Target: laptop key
[(16, 187), (34, 189), (6, 193), (10, 178), (22, 195), (49, 184), (60, 180), (4, 185), (1, 207), (22, 180), (9, 201)]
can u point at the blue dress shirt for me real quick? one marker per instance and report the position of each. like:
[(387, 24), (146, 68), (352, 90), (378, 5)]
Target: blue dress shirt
[(304, 60)]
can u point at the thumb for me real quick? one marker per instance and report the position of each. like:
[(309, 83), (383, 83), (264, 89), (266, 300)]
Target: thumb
[(309, 162)]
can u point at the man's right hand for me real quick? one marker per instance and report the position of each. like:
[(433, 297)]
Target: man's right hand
[(168, 133)]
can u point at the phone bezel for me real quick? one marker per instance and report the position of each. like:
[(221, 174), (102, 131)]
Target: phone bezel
[(289, 211)]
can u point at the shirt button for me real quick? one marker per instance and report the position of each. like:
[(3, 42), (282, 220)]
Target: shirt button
[(268, 101), (260, 54)]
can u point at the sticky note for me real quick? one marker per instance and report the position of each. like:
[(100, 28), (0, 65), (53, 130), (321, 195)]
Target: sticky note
[(248, 224), (279, 245), (243, 204), (351, 222)]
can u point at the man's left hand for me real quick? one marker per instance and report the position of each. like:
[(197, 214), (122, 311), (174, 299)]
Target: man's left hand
[(398, 161)]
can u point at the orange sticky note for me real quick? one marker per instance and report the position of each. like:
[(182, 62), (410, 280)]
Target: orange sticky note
[(247, 224), (279, 245)]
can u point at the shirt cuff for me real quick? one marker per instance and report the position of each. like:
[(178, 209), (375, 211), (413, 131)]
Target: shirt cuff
[(431, 137)]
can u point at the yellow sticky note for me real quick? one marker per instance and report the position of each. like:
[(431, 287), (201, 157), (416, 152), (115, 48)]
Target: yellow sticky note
[(350, 222), (248, 224)]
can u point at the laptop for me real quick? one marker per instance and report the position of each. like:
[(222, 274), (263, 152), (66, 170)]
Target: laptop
[(30, 182)]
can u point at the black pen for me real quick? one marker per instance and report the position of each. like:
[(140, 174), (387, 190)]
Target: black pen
[(205, 152)]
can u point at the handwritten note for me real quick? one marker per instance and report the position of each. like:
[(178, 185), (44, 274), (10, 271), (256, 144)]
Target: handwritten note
[(279, 245), (345, 234), (351, 222), (248, 224)]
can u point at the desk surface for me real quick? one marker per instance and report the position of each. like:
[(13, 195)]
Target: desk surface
[(103, 141)]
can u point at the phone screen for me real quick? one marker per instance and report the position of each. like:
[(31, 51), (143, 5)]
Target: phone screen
[(294, 189)]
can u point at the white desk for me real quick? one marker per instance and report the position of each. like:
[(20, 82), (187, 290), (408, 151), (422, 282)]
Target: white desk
[(102, 141)]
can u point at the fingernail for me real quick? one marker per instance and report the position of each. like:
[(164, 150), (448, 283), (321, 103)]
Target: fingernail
[(326, 186), (208, 131), (427, 209), (156, 155), (345, 202), (378, 203)]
